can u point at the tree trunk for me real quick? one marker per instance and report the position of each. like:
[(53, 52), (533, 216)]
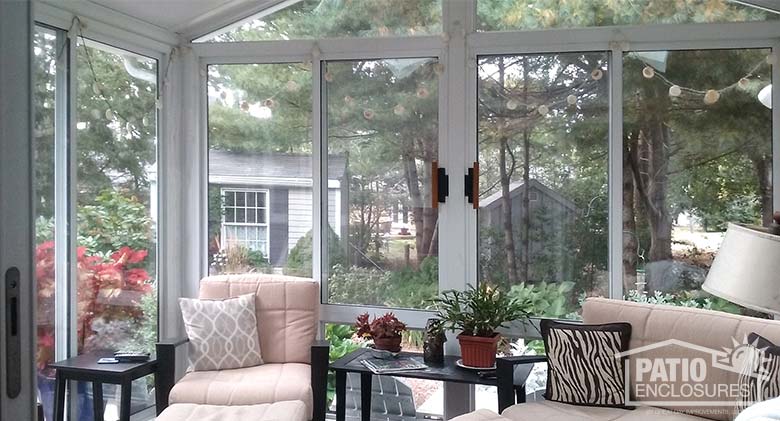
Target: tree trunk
[(506, 215), (660, 219), (525, 258), (761, 166), (630, 243), (412, 181)]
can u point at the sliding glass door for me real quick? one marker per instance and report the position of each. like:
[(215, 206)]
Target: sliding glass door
[(96, 207)]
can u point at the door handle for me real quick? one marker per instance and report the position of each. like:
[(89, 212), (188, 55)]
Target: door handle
[(13, 334), (472, 185)]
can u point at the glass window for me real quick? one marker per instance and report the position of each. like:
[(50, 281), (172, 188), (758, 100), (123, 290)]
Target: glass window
[(503, 15), (246, 227), (301, 19), (543, 155), (260, 168), (116, 160), (47, 47), (382, 137), (697, 154)]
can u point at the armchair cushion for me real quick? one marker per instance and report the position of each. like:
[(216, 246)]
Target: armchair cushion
[(223, 333), (266, 383)]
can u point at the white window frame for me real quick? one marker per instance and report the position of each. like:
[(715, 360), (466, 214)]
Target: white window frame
[(266, 224)]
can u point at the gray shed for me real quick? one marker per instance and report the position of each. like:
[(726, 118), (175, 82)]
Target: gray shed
[(552, 217)]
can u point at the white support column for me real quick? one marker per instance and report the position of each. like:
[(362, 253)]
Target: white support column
[(457, 151), (319, 170), (615, 263), (171, 209)]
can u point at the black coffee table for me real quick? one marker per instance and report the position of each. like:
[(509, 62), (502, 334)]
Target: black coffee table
[(447, 372), (85, 368)]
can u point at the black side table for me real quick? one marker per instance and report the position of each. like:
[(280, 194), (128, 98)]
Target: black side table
[(447, 372), (85, 368)]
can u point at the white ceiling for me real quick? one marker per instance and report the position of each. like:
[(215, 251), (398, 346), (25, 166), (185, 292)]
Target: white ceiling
[(168, 14), (184, 16)]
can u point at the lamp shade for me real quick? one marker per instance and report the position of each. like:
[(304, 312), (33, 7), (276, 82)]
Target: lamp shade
[(746, 270), (765, 96)]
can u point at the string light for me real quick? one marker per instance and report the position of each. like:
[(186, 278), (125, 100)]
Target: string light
[(648, 72), (422, 92), (711, 96), (292, 86), (744, 82), (328, 77), (512, 104), (368, 114), (675, 91), (543, 110), (596, 74), (399, 110), (571, 99)]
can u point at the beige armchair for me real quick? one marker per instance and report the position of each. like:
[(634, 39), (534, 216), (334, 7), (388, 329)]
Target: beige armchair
[(295, 364)]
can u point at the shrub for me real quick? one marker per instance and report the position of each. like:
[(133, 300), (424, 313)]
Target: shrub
[(544, 299), (299, 261), (356, 285)]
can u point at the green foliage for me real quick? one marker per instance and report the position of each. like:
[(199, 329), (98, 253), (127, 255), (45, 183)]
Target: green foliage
[(344, 18), (341, 344), (478, 311), (144, 336), (543, 14), (405, 288), (299, 261), (695, 299), (114, 220), (542, 299)]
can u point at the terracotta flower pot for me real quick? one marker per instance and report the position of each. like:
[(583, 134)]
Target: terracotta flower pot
[(388, 344), (478, 351)]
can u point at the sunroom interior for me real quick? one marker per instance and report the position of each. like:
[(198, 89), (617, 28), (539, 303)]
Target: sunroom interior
[(389, 150)]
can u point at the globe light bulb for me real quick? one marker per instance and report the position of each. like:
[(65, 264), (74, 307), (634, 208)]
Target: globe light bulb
[(675, 91)]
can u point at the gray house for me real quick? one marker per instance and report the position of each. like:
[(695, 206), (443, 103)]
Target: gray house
[(267, 199), (551, 218)]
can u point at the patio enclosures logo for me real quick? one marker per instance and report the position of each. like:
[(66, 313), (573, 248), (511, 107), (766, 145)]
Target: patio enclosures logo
[(675, 373)]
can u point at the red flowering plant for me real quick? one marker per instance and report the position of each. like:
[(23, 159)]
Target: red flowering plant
[(108, 298)]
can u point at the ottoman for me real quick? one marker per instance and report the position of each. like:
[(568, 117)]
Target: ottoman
[(278, 411), (481, 415)]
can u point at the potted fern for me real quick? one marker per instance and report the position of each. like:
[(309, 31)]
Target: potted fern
[(478, 313)]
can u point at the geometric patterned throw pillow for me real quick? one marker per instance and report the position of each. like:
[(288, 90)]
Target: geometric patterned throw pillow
[(581, 365), (759, 379), (222, 333)]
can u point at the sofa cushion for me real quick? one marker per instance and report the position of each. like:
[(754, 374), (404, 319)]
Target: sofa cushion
[(266, 383), (287, 311), (670, 326), (554, 411), (279, 411), (223, 333), (583, 367)]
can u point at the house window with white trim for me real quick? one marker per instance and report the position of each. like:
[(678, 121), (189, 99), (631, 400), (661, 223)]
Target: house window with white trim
[(245, 219)]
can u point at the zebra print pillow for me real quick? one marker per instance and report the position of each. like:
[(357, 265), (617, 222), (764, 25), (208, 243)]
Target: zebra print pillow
[(582, 368), (760, 376)]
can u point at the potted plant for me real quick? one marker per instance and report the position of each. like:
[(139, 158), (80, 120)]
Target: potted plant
[(385, 331), (477, 313)]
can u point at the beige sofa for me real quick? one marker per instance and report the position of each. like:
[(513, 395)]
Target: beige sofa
[(651, 324), (295, 365)]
